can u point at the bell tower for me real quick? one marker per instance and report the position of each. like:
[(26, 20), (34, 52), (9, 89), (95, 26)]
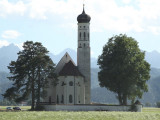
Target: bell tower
[(83, 51)]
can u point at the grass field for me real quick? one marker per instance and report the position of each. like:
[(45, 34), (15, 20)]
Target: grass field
[(147, 114)]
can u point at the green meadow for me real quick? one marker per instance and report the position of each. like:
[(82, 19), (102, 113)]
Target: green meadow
[(147, 114)]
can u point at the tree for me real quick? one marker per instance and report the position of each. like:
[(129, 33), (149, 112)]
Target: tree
[(30, 73), (123, 69)]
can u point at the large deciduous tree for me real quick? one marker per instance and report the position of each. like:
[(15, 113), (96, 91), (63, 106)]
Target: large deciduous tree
[(123, 69), (30, 73)]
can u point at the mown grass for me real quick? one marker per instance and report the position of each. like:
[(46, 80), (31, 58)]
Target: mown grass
[(147, 114)]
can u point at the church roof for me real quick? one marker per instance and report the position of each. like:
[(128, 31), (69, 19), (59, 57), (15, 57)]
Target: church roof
[(65, 59), (83, 18), (70, 69)]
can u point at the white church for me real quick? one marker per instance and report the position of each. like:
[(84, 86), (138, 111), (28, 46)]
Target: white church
[(73, 91), (74, 81)]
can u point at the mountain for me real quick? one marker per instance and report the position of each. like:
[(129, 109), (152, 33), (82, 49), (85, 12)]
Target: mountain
[(153, 58), (105, 96), (4, 83), (7, 54)]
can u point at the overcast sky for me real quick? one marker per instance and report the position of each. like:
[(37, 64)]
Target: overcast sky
[(54, 22)]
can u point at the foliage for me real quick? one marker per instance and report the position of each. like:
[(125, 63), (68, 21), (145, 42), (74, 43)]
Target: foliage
[(39, 108), (158, 104), (133, 108), (123, 69), (148, 104), (30, 73), (6, 102)]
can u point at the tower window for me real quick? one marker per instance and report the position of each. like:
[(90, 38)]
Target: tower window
[(70, 99), (62, 99), (71, 83), (57, 99), (66, 56), (80, 45)]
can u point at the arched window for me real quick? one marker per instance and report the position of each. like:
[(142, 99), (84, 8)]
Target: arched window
[(71, 83), (57, 99), (80, 45), (80, 34), (84, 45), (70, 99), (62, 99), (84, 34), (50, 101)]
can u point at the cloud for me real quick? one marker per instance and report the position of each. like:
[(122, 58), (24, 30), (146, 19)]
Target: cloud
[(4, 43), (126, 1), (7, 8), (10, 34), (130, 16)]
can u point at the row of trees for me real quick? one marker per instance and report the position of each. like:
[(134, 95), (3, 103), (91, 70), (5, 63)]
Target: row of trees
[(30, 73), (123, 70)]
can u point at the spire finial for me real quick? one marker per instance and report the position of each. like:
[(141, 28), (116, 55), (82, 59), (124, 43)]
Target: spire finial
[(83, 7)]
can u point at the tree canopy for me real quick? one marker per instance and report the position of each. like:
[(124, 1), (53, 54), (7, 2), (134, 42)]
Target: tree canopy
[(30, 73), (123, 69)]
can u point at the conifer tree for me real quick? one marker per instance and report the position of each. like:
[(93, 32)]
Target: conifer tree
[(30, 73)]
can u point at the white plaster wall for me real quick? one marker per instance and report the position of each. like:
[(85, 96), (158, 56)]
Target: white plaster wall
[(83, 57), (88, 108), (51, 91), (66, 90)]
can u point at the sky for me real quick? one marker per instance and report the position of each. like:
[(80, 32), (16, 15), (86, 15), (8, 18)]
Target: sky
[(54, 22)]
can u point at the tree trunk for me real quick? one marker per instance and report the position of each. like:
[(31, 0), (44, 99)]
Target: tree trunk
[(39, 87), (124, 99), (33, 91), (120, 98)]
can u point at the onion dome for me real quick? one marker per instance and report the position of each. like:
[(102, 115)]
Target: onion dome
[(83, 18)]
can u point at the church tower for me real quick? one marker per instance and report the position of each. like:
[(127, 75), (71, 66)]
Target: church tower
[(83, 52)]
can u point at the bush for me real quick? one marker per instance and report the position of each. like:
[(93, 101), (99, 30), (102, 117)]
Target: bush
[(158, 104), (133, 108), (39, 108)]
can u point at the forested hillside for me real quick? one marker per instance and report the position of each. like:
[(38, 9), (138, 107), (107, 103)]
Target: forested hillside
[(102, 95), (152, 96)]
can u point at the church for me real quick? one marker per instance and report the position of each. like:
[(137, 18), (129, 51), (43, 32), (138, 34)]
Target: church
[(74, 82), (73, 90)]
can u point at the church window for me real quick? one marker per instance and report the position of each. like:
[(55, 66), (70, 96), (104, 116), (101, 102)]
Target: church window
[(57, 99), (70, 99), (63, 84), (50, 100), (71, 83), (62, 99), (80, 45)]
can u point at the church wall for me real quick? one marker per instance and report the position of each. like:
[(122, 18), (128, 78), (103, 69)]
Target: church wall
[(51, 93), (67, 89), (83, 56)]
